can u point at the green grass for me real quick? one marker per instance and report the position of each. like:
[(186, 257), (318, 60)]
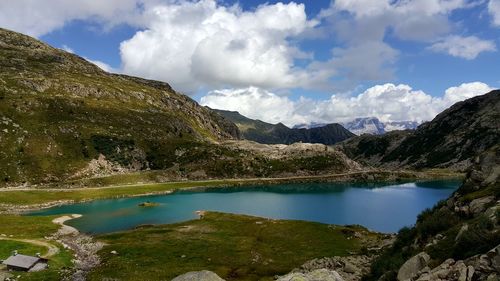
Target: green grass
[(7, 247), (27, 227), (40, 196), (24, 227), (236, 247)]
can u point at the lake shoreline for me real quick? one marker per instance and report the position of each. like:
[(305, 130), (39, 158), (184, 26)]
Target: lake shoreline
[(330, 203), (377, 176)]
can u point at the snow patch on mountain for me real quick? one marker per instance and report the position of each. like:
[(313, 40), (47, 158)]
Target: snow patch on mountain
[(367, 125)]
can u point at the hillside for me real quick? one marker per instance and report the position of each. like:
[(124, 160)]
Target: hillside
[(451, 140), (458, 239), (64, 120), (266, 133)]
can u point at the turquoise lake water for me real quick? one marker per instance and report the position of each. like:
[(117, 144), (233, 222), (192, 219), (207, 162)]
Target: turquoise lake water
[(381, 207)]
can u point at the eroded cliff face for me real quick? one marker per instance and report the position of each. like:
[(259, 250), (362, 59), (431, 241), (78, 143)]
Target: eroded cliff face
[(451, 140)]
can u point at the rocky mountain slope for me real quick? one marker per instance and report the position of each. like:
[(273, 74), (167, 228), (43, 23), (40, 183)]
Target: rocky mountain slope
[(451, 140), (266, 133), (459, 239), (62, 119)]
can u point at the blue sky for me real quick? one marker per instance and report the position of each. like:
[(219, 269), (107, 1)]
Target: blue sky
[(286, 61)]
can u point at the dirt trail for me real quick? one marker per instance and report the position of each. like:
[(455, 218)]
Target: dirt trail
[(51, 249)]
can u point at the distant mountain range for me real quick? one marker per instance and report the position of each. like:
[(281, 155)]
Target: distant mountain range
[(451, 140), (367, 125), (266, 133)]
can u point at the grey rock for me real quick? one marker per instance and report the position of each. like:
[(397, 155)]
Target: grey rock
[(316, 275), (350, 268), (425, 277), (462, 271), (463, 229), (204, 275), (412, 266), (470, 273), (479, 205), (493, 277), (494, 256)]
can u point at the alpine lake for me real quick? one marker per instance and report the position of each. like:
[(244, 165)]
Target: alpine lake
[(383, 207)]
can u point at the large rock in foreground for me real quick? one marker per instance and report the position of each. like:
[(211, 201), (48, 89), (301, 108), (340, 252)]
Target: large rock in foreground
[(316, 275), (479, 267), (412, 266), (204, 275)]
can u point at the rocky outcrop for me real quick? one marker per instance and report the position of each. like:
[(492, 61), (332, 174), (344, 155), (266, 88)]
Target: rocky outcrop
[(485, 267), (204, 275), (350, 268)]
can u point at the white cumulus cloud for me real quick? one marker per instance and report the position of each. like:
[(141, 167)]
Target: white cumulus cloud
[(419, 20), (463, 47), (465, 91), (36, 18), (388, 102), (194, 44), (254, 103), (206, 44), (494, 10)]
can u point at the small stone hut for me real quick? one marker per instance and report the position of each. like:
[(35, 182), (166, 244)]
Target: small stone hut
[(25, 263)]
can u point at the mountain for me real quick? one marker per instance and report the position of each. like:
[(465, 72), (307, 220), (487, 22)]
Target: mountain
[(58, 111), (451, 140), (266, 133), (65, 122), (370, 125), (373, 126)]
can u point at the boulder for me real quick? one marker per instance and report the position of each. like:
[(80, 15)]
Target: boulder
[(350, 268), (204, 275), (316, 275), (493, 277), (412, 266), (462, 271), (479, 205), (463, 229), (494, 256)]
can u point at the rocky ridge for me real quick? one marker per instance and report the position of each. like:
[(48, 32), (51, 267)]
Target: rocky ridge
[(262, 132)]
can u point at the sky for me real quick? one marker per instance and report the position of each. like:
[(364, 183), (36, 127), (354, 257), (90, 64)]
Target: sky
[(295, 62)]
